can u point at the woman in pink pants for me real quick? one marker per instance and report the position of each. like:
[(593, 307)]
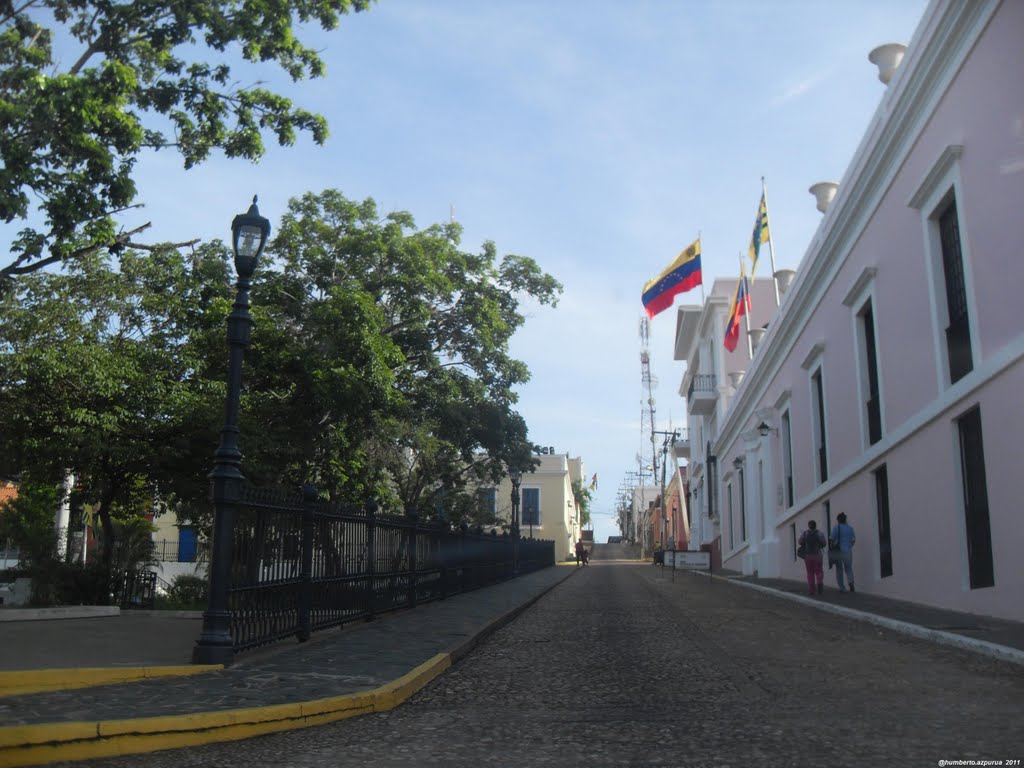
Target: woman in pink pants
[(813, 542)]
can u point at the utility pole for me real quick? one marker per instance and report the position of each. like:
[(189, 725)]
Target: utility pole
[(669, 437)]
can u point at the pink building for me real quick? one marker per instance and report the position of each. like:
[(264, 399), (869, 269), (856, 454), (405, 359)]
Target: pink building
[(889, 383)]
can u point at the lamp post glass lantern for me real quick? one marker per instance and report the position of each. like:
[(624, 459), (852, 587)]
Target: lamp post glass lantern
[(249, 233)]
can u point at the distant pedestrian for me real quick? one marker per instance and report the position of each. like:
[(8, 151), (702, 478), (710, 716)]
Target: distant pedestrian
[(580, 549), (843, 536), (813, 542), (586, 556)]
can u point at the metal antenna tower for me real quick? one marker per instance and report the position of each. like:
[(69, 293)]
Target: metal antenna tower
[(648, 456)]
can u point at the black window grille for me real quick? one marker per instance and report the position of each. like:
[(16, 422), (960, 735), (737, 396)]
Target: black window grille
[(743, 508), (819, 398), (884, 527), (874, 409), (958, 335), (979, 532), (787, 449)]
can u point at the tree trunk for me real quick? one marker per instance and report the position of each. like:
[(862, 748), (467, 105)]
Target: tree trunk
[(106, 501)]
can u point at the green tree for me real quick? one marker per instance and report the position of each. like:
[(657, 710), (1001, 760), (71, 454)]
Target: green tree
[(379, 365), (386, 366), (99, 375), (27, 520), (143, 75), (581, 496)]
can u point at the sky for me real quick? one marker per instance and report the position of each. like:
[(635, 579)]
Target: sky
[(599, 138)]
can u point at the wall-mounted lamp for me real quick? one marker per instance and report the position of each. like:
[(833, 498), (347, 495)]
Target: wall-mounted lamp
[(737, 462), (764, 429)]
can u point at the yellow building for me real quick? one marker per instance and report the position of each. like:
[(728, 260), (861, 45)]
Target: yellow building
[(547, 509)]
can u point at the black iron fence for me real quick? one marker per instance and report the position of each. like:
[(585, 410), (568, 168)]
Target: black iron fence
[(134, 589), (300, 564), (172, 551)]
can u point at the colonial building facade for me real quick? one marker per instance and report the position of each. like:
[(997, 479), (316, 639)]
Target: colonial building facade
[(888, 385), (547, 508)]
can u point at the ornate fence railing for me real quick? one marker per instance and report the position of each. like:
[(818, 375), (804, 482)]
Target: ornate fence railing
[(134, 589), (300, 564)]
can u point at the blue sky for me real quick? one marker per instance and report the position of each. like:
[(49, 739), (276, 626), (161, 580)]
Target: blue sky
[(598, 138)]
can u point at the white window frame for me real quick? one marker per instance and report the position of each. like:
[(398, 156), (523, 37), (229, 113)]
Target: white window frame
[(857, 298), (732, 524), (941, 185), (786, 440), (813, 363)]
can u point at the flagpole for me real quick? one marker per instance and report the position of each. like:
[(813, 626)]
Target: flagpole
[(746, 312), (771, 248)]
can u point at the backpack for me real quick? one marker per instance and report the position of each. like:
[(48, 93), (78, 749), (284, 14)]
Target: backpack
[(833, 542), (812, 542)]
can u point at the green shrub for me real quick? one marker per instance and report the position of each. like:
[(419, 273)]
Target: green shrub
[(187, 592), (57, 583)]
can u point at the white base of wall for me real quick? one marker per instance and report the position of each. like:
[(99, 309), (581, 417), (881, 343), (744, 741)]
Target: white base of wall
[(169, 571), (749, 563), (17, 593), (769, 559)]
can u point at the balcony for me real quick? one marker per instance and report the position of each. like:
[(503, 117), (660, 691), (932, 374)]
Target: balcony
[(703, 394), (681, 446)]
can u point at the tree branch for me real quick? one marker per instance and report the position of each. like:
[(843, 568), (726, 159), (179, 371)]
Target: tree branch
[(123, 240), (16, 12)]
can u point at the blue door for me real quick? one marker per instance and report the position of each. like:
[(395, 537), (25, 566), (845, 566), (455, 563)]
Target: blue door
[(186, 545)]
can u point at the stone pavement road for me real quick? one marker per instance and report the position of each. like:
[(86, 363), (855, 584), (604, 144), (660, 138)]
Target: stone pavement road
[(619, 667)]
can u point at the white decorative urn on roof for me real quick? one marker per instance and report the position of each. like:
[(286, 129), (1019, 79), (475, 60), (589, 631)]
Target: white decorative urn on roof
[(784, 278), (756, 334), (824, 191), (887, 58)]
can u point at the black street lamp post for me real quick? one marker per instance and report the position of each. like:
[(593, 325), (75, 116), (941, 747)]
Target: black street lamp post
[(516, 477), (249, 232)]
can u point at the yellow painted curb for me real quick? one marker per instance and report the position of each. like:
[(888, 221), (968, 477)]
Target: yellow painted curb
[(24, 745), (18, 682)]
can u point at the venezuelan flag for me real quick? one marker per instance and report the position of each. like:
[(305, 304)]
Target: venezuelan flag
[(740, 306), (680, 276)]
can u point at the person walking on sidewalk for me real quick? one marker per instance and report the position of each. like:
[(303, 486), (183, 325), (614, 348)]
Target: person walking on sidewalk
[(580, 549), (813, 542), (843, 535)]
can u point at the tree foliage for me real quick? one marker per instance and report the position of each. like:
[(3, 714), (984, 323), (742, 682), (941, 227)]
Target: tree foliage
[(27, 520), (99, 375), (581, 495), (379, 365), (142, 75), (386, 364)]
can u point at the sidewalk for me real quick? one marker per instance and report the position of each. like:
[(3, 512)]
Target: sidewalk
[(364, 667), (1001, 638)]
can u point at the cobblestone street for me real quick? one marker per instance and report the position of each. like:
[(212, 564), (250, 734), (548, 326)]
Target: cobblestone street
[(620, 666)]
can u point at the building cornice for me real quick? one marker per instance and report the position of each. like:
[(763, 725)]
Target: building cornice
[(863, 280), (940, 46)]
